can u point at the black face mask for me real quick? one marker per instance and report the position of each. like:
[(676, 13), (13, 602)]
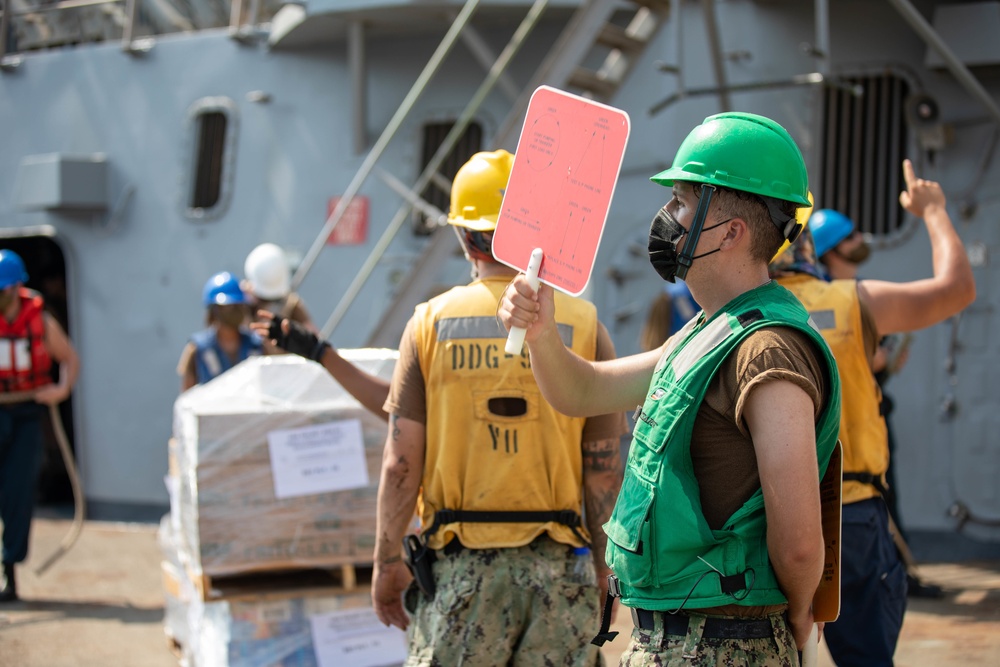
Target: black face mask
[(665, 234)]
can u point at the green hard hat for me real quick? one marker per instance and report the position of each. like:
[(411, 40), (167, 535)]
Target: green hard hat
[(741, 151)]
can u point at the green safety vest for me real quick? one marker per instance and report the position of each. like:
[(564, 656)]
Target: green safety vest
[(660, 545)]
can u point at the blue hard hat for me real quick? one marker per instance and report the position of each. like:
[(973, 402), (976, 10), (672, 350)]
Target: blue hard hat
[(223, 289), (11, 269), (829, 228)]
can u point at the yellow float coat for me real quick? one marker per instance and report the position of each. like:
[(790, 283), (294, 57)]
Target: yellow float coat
[(835, 308)]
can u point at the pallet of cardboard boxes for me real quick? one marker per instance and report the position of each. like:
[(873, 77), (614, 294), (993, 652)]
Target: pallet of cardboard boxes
[(273, 478)]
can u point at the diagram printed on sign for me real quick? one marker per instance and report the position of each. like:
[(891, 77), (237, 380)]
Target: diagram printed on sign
[(561, 184)]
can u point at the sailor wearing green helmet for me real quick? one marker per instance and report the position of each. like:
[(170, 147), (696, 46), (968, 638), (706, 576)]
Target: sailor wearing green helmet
[(715, 539)]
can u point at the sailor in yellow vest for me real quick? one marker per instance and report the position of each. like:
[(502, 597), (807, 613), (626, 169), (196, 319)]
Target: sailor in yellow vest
[(852, 315), (715, 540), (841, 249), (499, 479)]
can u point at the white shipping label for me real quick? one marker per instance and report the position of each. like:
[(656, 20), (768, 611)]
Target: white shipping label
[(318, 459), (355, 637)]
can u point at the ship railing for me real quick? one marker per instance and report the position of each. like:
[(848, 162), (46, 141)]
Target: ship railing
[(244, 16)]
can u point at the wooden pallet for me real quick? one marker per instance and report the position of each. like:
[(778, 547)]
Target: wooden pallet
[(271, 584)]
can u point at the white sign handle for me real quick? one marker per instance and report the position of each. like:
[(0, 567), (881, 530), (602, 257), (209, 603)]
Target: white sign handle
[(515, 339), (810, 650)]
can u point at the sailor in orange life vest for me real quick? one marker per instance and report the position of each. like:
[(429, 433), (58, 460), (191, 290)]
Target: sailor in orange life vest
[(30, 341)]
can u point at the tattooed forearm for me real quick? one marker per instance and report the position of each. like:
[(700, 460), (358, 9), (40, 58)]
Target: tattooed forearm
[(602, 456), (399, 485), (602, 479), (600, 500), (598, 510)]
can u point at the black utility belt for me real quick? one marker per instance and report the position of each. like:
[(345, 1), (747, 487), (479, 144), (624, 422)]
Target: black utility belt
[(715, 628), (869, 479), (567, 518), (455, 545)]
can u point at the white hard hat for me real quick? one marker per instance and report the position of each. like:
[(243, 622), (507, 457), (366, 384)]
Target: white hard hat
[(268, 272)]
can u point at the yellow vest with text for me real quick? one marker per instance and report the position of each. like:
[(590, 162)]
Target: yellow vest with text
[(479, 457), (835, 308)]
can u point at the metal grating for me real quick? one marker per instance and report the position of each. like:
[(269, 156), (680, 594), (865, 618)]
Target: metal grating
[(864, 143), (468, 145)]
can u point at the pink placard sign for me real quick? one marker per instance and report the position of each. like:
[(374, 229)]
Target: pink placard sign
[(561, 184)]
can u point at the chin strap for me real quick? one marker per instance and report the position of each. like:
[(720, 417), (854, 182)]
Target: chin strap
[(686, 256), (605, 635)]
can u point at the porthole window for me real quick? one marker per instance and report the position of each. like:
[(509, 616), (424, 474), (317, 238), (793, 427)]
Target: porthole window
[(211, 158)]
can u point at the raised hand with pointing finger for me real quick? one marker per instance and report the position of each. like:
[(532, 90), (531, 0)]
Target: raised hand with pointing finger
[(919, 194), (914, 305)]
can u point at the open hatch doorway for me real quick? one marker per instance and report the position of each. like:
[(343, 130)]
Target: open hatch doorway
[(46, 265)]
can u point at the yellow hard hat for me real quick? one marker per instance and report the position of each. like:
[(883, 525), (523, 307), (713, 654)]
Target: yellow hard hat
[(477, 191), (802, 219)]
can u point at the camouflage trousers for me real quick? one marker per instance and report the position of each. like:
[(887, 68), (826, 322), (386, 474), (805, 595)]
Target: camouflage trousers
[(654, 648), (521, 607)]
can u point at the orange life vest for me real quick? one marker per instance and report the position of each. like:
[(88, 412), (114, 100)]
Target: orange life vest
[(24, 361)]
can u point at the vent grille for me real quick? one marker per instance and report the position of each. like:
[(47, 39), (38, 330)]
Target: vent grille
[(438, 191), (864, 142)]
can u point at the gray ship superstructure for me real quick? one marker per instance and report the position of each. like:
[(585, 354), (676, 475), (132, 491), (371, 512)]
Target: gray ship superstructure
[(148, 145)]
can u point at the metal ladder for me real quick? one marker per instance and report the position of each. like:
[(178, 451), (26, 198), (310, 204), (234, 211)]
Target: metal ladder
[(618, 31), (614, 32)]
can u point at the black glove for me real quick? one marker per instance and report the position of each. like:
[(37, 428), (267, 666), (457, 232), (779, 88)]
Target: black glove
[(298, 340)]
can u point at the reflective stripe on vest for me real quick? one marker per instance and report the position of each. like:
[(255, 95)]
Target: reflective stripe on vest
[(211, 361), (25, 363), (485, 327)]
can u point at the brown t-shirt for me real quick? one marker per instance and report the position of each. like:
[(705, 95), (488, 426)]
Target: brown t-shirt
[(407, 396), (721, 449)]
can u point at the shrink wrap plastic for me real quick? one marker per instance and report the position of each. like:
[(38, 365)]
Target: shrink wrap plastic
[(224, 507)]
